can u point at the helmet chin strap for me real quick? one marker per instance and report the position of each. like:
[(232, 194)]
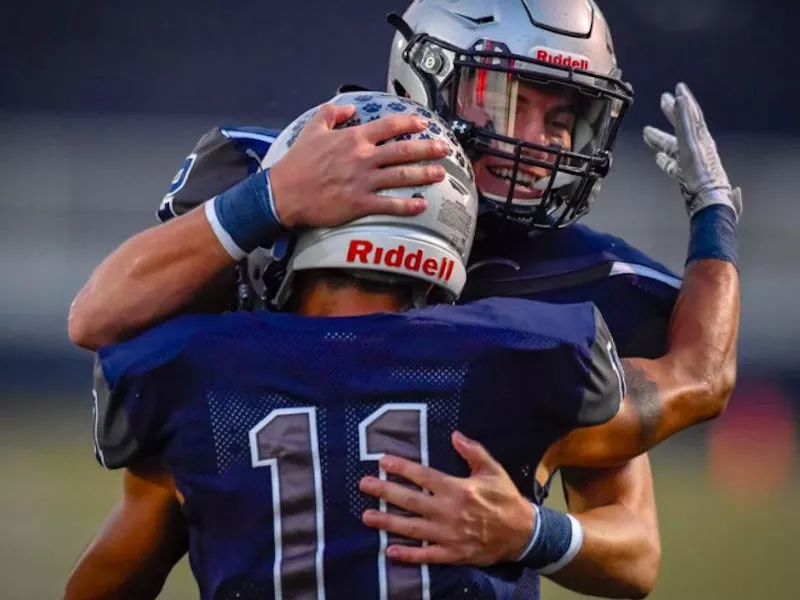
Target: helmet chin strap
[(419, 296), (399, 23)]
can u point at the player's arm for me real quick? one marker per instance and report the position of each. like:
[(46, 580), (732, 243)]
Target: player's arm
[(328, 177), (689, 385), (141, 540), (616, 508), (693, 381), (149, 278), (621, 552)]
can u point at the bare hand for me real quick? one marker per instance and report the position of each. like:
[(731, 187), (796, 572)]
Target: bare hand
[(330, 176), (479, 520)]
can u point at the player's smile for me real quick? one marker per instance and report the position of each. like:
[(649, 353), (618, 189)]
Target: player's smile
[(494, 176)]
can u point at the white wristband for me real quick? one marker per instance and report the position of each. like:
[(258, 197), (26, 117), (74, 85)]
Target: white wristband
[(223, 236)]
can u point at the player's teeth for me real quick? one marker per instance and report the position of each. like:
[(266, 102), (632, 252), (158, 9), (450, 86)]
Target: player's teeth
[(521, 177), (507, 174)]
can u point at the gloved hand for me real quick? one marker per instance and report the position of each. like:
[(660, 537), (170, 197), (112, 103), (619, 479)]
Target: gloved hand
[(691, 155)]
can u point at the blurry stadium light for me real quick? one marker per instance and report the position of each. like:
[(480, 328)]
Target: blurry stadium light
[(752, 448)]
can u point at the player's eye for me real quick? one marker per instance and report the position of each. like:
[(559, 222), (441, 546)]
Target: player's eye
[(561, 122), (560, 127)]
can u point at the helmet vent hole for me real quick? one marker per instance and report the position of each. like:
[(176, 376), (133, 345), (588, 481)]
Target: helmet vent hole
[(478, 20)]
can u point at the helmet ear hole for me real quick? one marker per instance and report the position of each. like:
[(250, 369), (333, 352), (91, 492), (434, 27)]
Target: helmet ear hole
[(399, 90)]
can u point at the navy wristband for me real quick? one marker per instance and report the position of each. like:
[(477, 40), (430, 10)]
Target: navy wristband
[(556, 539), (244, 217), (713, 234)]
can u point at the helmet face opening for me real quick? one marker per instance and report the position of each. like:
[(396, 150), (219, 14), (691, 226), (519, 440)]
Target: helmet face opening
[(539, 128)]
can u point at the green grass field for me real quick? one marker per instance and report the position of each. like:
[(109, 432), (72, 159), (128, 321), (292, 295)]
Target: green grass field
[(53, 496)]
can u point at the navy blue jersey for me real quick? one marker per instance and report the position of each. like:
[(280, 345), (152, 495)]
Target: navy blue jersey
[(268, 421), (634, 293)]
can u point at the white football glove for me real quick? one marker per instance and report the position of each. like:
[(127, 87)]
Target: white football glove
[(691, 155)]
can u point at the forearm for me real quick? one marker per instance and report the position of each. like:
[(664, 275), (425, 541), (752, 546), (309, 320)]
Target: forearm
[(693, 381), (621, 553), (150, 277), (140, 541), (703, 333), (107, 570), (618, 556)]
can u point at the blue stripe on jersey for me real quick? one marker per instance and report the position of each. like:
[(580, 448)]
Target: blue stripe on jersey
[(251, 140)]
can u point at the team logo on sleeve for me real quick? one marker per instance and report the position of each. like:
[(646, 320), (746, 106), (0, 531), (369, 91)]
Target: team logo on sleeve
[(166, 212), (182, 175)]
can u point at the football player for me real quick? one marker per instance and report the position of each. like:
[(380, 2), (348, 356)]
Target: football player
[(331, 176), (251, 424), (234, 423)]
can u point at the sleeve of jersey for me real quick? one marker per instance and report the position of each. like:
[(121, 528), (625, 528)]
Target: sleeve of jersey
[(222, 158), (123, 415), (135, 388), (604, 382)]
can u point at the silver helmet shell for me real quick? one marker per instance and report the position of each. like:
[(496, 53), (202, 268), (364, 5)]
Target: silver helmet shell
[(432, 248)]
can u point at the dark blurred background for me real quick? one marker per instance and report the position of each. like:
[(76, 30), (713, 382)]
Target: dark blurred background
[(100, 102)]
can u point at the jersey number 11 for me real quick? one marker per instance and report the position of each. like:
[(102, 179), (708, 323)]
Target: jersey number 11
[(287, 442)]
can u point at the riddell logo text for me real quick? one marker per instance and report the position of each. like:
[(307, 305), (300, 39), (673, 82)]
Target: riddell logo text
[(563, 59), (367, 253)]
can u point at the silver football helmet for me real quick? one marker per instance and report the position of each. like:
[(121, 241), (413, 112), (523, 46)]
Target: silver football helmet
[(480, 63), (431, 248)]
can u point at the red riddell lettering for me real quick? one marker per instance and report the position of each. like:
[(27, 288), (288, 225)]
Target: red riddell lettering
[(359, 249), (573, 61), (430, 266), (365, 252)]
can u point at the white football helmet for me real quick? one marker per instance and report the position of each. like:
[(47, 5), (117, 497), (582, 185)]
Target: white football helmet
[(469, 60), (431, 248)]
